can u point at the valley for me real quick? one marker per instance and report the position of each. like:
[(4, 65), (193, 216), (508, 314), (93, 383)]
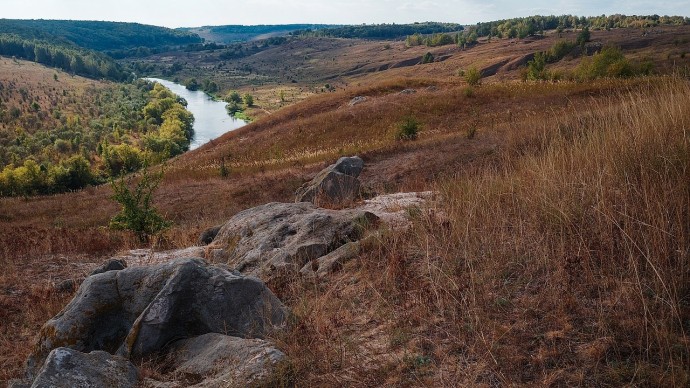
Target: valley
[(554, 250)]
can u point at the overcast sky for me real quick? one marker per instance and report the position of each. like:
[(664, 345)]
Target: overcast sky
[(192, 13)]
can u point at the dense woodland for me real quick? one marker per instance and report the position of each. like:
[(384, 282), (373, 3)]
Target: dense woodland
[(97, 35), (382, 31), (66, 139)]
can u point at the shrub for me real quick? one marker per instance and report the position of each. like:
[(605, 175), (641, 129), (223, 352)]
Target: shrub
[(408, 129), (428, 58), (473, 76), (138, 213)]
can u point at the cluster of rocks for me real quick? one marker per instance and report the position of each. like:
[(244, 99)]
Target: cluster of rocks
[(208, 323)]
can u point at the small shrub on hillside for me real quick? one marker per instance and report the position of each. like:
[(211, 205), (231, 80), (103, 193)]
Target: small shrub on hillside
[(610, 62), (473, 76), (138, 213), (408, 129), (428, 58)]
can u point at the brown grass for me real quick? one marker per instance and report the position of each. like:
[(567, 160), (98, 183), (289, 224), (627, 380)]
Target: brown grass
[(564, 264)]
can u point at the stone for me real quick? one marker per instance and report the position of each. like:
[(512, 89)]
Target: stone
[(408, 91), (69, 368), (135, 312), (334, 261), (144, 257), (110, 265), (395, 209), (357, 100), (207, 236), (214, 360), (283, 237), (336, 184)]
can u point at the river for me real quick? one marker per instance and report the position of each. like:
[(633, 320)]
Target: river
[(210, 117)]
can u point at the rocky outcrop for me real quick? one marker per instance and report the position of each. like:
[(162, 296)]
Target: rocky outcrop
[(147, 257), (207, 236), (69, 368), (331, 262), (283, 237), (137, 311), (395, 210), (110, 265), (215, 360), (337, 184)]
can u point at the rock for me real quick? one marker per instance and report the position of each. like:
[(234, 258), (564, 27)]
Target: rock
[(282, 237), (66, 286), (110, 265), (357, 100), (395, 209), (141, 257), (408, 91), (214, 360), (207, 236), (137, 311), (336, 184), (69, 368), (331, 262)]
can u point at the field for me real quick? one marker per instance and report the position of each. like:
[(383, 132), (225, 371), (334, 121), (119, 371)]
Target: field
[(556, 251)]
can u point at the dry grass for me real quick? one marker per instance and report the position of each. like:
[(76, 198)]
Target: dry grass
[(566, 263)]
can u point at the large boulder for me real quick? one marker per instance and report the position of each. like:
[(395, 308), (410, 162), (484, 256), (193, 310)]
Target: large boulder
[(337, 184), (137, 311), (282, 237), (334, 261), (69, 368), (215, 360)]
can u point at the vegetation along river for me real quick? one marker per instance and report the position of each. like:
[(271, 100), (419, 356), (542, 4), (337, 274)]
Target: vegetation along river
[(211, 120)]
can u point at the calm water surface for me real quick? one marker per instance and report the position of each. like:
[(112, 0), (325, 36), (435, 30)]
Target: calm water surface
[(210, 117)]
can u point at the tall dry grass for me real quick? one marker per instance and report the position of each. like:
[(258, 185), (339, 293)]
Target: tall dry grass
[(566, 262)]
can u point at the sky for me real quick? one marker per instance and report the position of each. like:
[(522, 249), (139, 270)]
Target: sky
[(194, 13)]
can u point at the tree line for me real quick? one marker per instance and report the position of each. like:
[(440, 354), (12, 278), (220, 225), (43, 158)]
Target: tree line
[(68, 58)]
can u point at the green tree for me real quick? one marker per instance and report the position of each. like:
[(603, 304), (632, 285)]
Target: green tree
[(138, 213), (248, 99), (428, 58)]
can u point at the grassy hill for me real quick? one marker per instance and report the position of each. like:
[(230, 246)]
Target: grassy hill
[(555, 252)]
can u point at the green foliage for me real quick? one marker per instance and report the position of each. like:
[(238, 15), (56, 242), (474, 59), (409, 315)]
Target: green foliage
[(383, 31), (610, 62), (248, 99), (428, 58), (473, 76), (408, 129), (138, 213), (192, 84), (234, 96), (69, 58), (118, 39), (583, 37), (536, 68)]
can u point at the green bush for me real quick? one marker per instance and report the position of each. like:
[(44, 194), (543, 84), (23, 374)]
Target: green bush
[(408, 129), (610, 62), (473, 76), (428, 58), (138, 213)]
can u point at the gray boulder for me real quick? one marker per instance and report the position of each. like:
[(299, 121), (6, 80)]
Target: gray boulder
[(336, 184), (110, 265), (283, 237), (68, 368), (215, 360), (137, 311), (207, 236), (331, 262)]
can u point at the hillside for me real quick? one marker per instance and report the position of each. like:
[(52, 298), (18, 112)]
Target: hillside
[(238, 33), (554, 251), (117, 38)]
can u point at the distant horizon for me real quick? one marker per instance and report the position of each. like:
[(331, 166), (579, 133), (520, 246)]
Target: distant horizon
[(209, 13), (325, 24)]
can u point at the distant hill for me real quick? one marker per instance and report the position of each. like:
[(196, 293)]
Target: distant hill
[(237, 33), (114, 38)]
